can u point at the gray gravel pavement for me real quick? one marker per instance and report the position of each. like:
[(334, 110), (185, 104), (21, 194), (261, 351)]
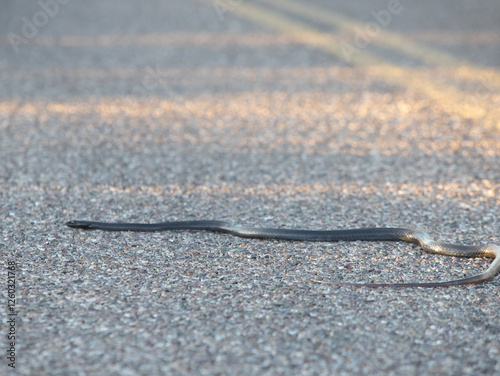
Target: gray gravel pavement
[(249, 112)]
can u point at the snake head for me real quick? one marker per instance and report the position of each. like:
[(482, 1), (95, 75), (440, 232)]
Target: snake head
[(79, 224)]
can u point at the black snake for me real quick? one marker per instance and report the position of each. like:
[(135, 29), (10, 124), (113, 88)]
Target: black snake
[(367, 234)]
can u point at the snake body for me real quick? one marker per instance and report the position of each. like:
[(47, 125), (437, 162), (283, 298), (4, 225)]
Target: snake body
[(421, 238)]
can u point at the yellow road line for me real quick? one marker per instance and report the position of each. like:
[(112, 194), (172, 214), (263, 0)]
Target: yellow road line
[(449, 98), (383, 36)]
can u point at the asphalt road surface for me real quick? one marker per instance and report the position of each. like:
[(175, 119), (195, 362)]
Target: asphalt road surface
[(311, 115)]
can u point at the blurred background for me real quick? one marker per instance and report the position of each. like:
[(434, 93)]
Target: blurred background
[(272, 113)]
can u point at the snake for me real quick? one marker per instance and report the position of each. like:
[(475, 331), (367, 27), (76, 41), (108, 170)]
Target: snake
[(418, 237)]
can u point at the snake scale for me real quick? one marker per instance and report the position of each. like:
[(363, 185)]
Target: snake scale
[(420, 238)]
